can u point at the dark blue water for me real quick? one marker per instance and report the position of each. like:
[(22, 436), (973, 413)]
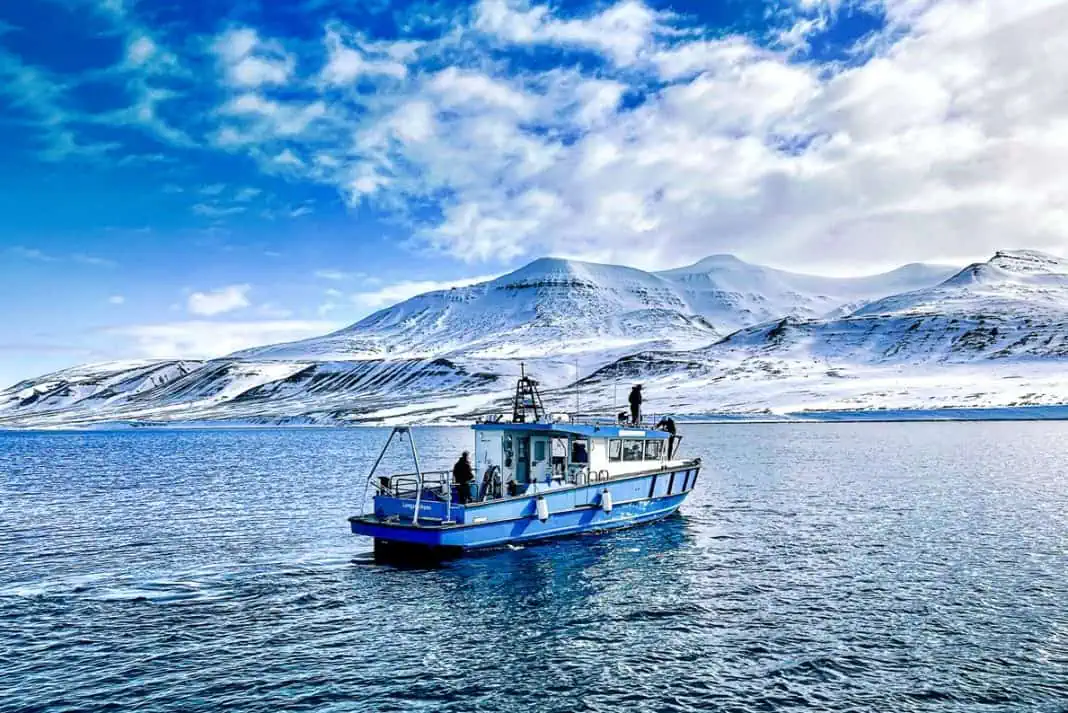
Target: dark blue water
[(819, 567)]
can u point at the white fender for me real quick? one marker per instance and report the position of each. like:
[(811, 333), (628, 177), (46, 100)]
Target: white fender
[(606, 500), (543, 509)]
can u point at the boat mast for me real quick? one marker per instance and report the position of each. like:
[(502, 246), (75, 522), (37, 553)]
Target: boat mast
[(419, 474), (527, 399)]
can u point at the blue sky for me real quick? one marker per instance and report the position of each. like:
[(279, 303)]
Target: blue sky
[(186, 179)]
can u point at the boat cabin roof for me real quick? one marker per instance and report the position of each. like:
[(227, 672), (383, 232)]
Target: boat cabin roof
[(585, 430)]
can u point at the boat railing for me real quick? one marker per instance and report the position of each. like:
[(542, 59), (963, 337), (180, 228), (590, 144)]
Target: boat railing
[(586, 476), (408, 485)]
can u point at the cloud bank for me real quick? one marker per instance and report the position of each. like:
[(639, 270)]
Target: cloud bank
[(626, 133), (939, 137)]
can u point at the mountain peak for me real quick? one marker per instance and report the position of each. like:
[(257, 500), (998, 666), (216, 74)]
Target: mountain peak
[(722, 259), (1028, 261), (711, 263), (1011, 266), (547, 266), (560, 271)]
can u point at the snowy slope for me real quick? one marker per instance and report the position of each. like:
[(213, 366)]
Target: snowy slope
[(244, 391), (94, 384), (554, 307), (548, 307), (994, 334), (1013, 306), (733, 294)]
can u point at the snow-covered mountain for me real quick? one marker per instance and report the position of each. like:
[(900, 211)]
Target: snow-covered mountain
[(241, 391), (451, 353), (1013, 306), (554, 307), (549, 307), (733, 294), (994, 334)]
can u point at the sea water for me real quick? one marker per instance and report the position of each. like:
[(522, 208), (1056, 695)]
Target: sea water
[(889, 567)]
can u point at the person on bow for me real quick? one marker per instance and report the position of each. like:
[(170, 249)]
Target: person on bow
[(463, 475), (667, 423), (635, 399)]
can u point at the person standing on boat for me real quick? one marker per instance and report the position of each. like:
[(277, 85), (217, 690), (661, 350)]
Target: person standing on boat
[(463, 475), (635, 399), (667, 423)]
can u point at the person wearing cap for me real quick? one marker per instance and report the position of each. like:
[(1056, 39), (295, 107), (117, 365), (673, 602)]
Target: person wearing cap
[(636, 404), (462, 475)]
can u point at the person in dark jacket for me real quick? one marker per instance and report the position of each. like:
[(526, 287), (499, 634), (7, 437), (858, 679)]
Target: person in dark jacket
[(635, 399), (667, 423), (463, 475)]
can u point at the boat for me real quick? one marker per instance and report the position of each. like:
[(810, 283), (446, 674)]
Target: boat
[(536, 477)]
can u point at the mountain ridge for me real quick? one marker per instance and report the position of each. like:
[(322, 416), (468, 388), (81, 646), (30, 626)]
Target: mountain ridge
[(575, 301), (995, 334), (447, 354)]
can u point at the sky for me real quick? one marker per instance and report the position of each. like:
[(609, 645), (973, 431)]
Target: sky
[(187, 179)]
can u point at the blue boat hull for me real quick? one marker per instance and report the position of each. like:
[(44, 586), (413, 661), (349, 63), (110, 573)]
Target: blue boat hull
[(636, 500)]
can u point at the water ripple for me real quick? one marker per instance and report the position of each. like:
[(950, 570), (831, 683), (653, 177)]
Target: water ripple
[(206, 571)]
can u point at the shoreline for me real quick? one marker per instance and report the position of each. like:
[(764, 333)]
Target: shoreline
[(957, 414), (991, 413)]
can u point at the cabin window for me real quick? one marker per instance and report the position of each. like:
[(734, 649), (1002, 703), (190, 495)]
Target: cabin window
[(615, 449), (580, 451), (539, 451), (632, 450), (653, 449)]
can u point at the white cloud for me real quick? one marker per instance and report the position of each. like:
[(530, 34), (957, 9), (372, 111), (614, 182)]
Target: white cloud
[(93, 260), (41, 96), (796, 37), (140, 50), (287, 159), (400, 291), (220, 301), (202, 339), (212, 210), (273, 311), (623, 30), (348, 62), (38, 255), (258, 119), (475, 91), (248, 61), (335, 275), (26, 253), (116, 300)]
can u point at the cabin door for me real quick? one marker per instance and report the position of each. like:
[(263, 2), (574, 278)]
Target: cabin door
[(522, 460)]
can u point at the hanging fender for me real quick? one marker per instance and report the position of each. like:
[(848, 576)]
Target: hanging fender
[(543, 508)]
